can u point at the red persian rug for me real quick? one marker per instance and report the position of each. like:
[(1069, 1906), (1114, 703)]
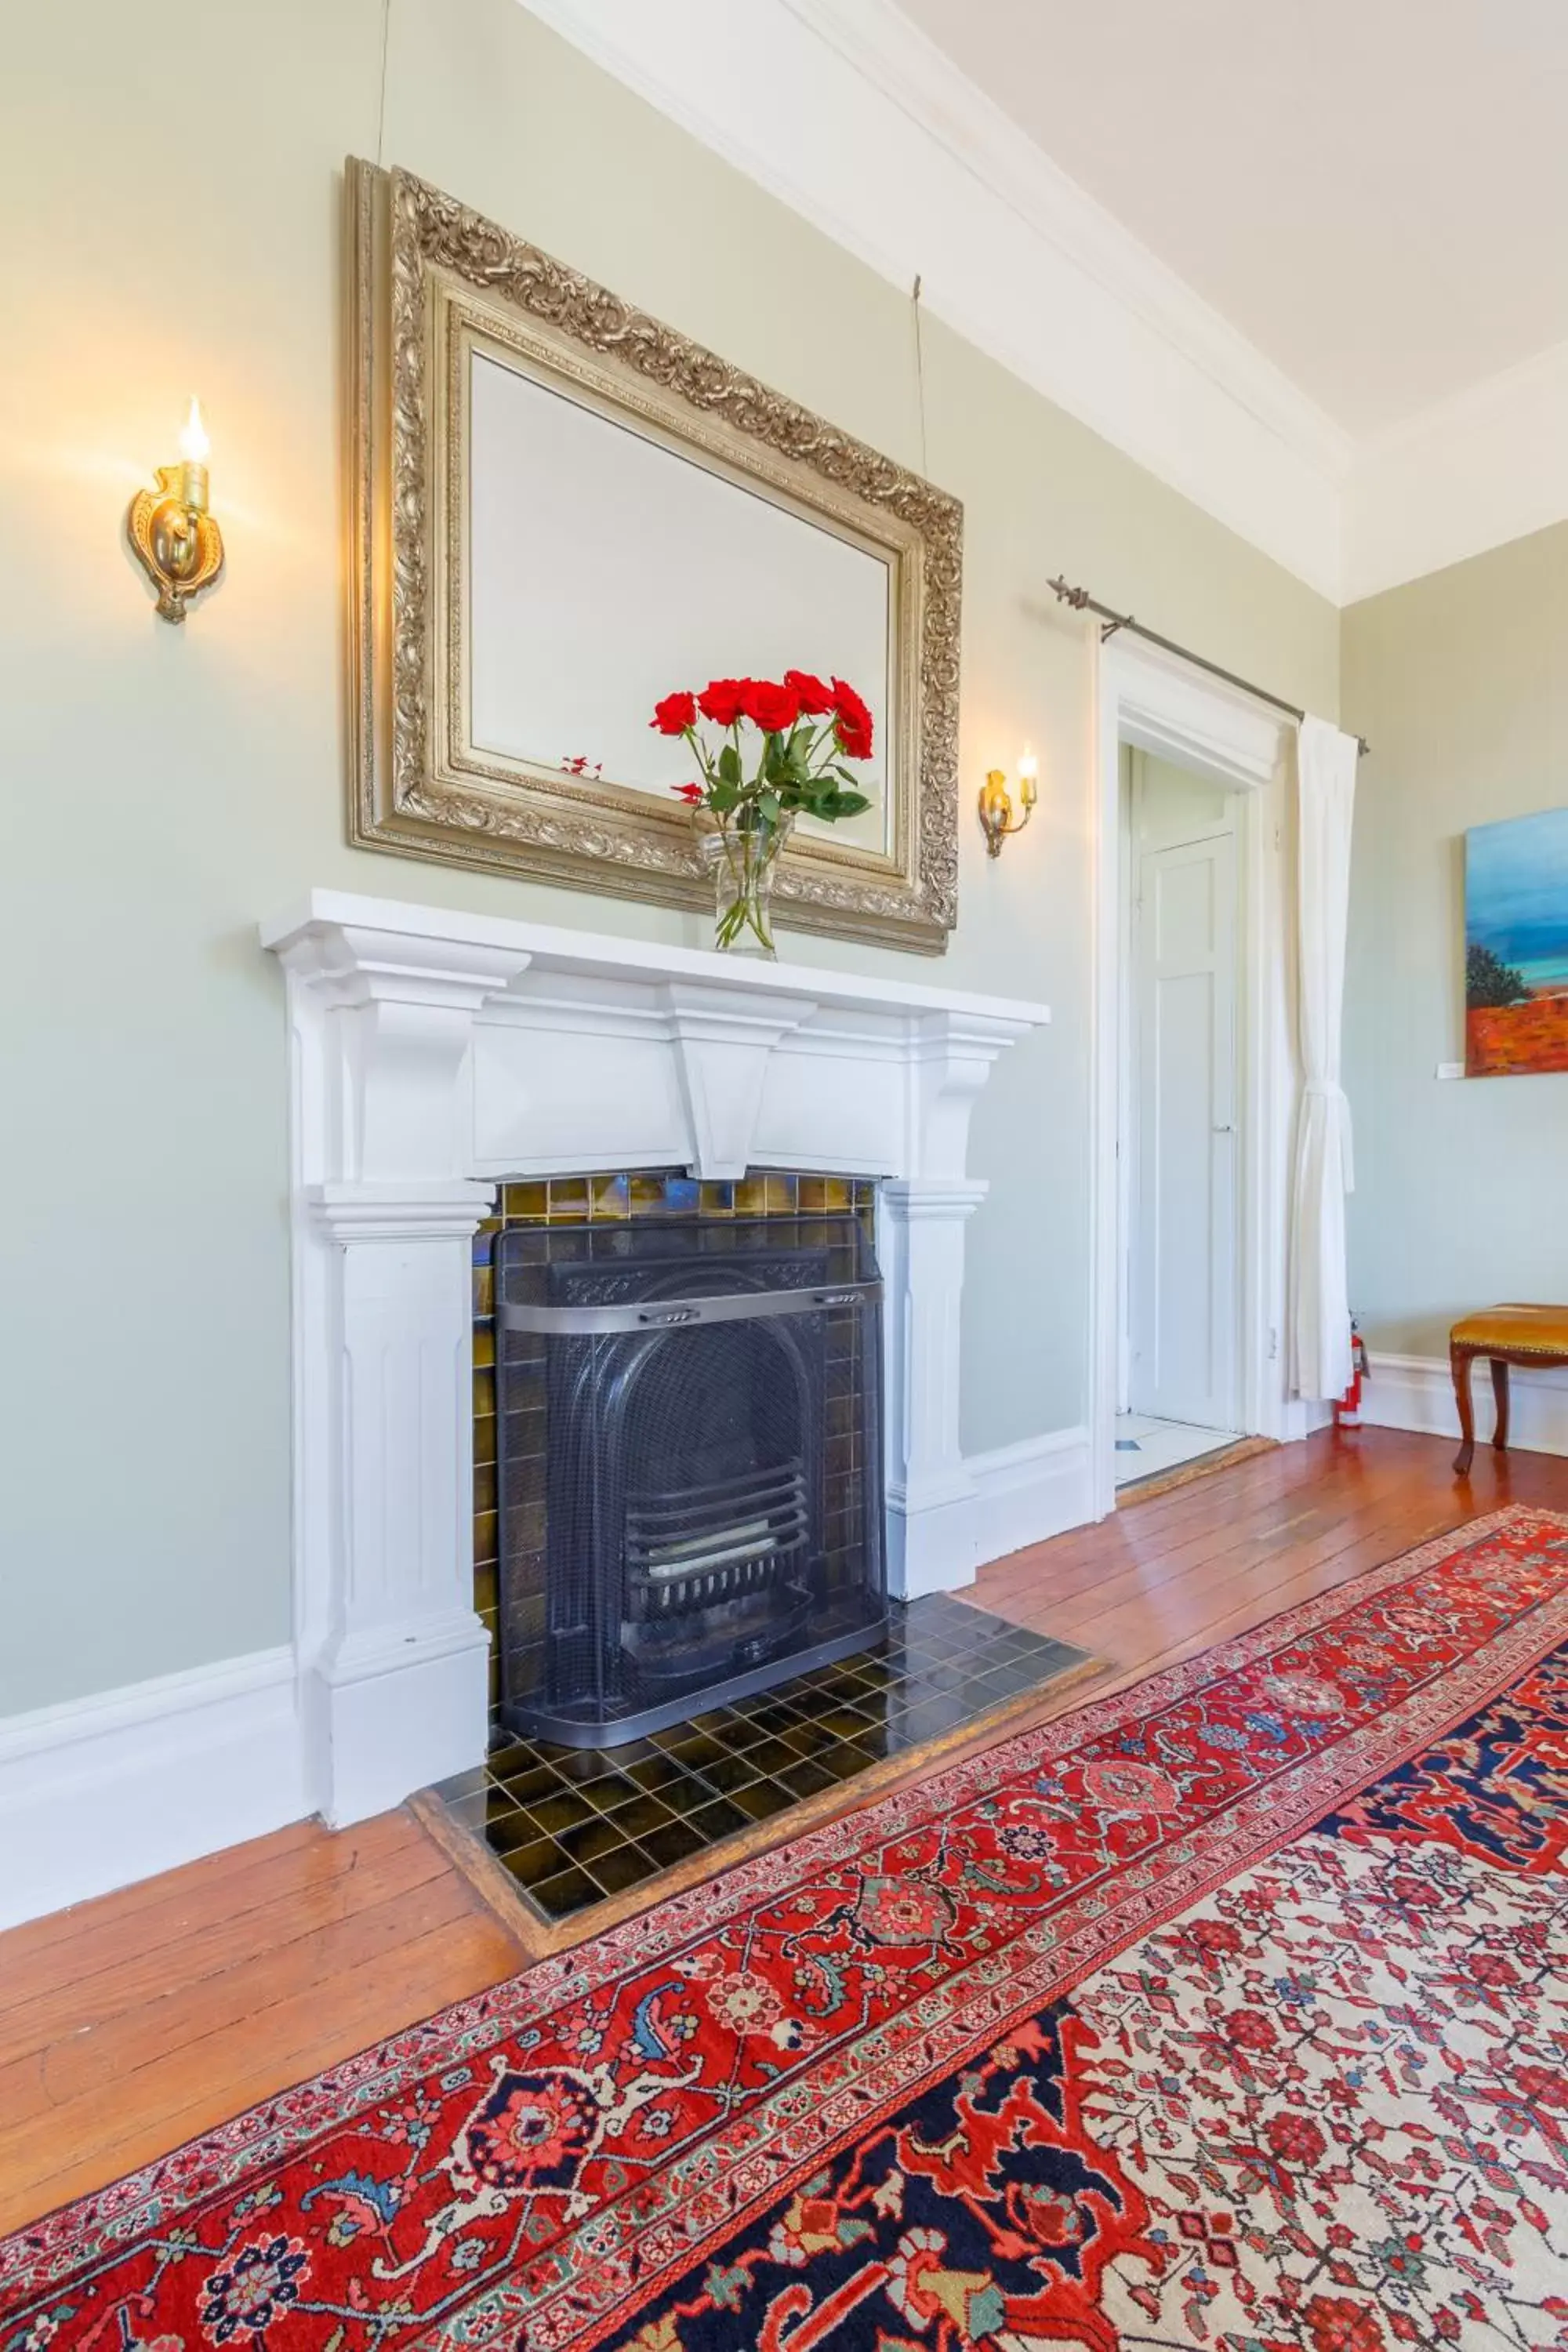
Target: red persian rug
[(1230, 2012)]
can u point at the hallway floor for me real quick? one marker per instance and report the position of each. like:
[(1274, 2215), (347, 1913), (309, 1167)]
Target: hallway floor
[(1146, 1448)]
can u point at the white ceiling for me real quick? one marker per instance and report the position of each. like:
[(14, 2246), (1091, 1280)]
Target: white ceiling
[(1373, 191)]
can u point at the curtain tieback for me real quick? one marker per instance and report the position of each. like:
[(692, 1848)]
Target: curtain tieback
[(1329, 1090)]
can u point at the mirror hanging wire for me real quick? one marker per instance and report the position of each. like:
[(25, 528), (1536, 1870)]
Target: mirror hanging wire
[(920, 369), (381, 107)]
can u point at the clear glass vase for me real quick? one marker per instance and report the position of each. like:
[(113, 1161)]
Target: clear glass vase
[(741, 854)]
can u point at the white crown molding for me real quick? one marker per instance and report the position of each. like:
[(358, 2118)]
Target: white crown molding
[(1473, 472), (848, 114), (892, 53)]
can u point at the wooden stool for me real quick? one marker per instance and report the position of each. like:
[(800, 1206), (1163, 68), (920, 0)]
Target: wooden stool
[(1509, 1335)]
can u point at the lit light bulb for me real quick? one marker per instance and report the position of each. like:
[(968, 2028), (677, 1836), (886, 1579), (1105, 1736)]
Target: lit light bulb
[(1028, 773), (195, 444)]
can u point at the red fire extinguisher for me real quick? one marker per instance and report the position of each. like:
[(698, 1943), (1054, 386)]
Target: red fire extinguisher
[(1347, 1409)]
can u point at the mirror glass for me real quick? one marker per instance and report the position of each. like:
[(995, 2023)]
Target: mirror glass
[(607, 570)]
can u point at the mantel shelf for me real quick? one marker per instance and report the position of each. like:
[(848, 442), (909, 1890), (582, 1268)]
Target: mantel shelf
[(600, 955)]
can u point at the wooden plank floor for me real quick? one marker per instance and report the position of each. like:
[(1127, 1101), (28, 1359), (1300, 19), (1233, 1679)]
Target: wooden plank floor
[(1160, 1580), (133, 2024)]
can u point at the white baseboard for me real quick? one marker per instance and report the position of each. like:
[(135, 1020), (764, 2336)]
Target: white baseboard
[(1015, 1495), (1416, 1393), (102, 1792), (1038, 1488), (388, 1714)]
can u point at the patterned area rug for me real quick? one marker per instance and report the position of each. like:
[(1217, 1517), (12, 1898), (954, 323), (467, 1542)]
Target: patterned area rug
[(1231, 2011)]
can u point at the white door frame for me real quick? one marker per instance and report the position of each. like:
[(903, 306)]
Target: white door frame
[(1164, 706)]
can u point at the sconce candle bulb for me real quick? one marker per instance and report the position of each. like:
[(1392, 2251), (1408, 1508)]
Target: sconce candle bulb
[(176, 542), (194, 448), (996, 805)]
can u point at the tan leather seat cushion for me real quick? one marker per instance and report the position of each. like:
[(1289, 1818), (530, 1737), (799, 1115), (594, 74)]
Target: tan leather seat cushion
[(1514, 1330)]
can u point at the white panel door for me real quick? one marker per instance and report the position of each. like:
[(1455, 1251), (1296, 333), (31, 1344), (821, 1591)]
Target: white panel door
[(1182, 1272)]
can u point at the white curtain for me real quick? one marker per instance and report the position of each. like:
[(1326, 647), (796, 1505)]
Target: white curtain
[(1320, 1303)]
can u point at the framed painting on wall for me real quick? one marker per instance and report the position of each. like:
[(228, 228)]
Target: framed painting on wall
[(565, 511), (1516, 945)]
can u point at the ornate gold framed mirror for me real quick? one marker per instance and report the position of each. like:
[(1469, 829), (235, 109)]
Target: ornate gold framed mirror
[(563, 511)]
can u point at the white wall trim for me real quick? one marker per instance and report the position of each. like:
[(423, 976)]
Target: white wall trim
[(1416, 1393), (846, 112), (99, 1793), (1473, 472), (891, 52), (852, 116), (1028, 1492), (1002, 1500), (1166, 707)]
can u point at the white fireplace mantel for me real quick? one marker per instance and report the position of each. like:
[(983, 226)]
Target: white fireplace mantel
[(435, 1052)]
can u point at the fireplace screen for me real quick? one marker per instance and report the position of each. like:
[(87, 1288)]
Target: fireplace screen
[(690, 1464)]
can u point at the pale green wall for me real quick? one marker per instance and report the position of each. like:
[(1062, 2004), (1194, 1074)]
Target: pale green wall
[(166, 788), (1460, 683)]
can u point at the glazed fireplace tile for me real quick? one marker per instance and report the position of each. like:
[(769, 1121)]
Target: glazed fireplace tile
[(573, 1826)]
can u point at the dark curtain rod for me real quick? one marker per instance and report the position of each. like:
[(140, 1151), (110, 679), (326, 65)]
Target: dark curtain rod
[(1082, 601)]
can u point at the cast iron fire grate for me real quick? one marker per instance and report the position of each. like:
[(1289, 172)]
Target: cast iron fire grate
[(689, 1450)]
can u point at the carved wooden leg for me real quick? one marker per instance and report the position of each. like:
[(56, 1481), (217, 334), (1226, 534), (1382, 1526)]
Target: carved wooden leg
[(1461, 1361), (1500, 1391)]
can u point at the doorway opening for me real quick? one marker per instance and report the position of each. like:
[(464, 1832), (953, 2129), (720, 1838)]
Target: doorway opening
[(1179, 1140), (1213, 1311)]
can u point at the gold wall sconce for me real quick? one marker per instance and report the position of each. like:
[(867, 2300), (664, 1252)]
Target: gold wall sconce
[(177, 543), (996, 803)]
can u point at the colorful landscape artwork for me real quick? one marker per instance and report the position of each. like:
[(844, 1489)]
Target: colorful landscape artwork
[(1516, 946)]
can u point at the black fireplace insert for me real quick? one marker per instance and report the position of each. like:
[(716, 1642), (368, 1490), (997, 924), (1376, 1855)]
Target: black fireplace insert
[(690, 1457)]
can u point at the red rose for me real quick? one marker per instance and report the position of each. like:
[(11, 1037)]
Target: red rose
[(814, 697), (674, 714), (853, 725), (691, 793), (724, 701), (775, 709)]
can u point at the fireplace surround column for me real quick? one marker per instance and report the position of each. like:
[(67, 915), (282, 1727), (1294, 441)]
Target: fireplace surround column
[(393, 1658), (921, 1235)]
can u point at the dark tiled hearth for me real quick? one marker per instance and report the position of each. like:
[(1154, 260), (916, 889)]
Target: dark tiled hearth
[(574, 1825)]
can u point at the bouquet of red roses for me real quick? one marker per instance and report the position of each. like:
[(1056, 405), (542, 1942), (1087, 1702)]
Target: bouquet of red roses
[(808, 731)]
